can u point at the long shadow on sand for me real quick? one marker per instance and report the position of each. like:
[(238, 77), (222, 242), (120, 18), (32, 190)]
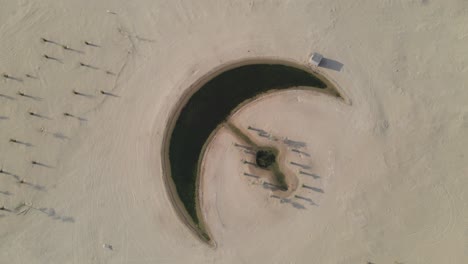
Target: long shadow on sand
[(289, 201), (315, 176), (315, 189)]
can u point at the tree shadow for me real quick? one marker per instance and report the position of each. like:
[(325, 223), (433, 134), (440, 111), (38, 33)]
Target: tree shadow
[(251, 175), (9, 77), (250, 163), (311, 202), (87, 43), (52, 58), (262, 133), (30, 96), (36, 163), (67, 48), (258, 130), (31, 76), (309, 174), (108, 93), (294, 144), (36, 187), (289, 201), (89, 66), (82, 94), (110, 73), (50, 212), (297, 205), (331, 64), (74, 116), (243, 146), (7, 193), (271, 186), (16, 177), (253, 164), (144, 39), (315, 189), (51, 42), (60, 135), (4, 118), (7, 97), (27, 144), (39, 115), (68, 219), (250, 152), (301, 152), (303, 166)]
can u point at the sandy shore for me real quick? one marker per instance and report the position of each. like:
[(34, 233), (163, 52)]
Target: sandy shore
[(386, 175)]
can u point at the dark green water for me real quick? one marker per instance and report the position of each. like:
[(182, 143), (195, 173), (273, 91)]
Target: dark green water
[(265, 158), (210, 106)]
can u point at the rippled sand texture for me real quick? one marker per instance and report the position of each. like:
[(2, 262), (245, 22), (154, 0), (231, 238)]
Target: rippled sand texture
[(385, 180)]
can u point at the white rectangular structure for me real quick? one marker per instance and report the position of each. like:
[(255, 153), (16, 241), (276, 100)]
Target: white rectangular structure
[(316, 58)]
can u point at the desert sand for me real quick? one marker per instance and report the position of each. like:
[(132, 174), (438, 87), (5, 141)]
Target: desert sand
[(388, 173)]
